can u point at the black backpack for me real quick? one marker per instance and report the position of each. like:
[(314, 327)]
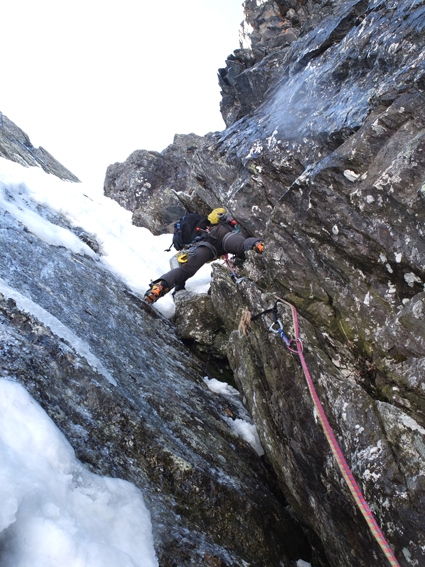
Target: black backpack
[(187, 229)]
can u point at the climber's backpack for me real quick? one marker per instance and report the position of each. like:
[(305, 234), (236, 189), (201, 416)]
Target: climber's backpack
[(187, 229)]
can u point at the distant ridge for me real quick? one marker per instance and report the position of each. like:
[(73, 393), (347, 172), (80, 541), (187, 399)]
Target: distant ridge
[(16, 146)]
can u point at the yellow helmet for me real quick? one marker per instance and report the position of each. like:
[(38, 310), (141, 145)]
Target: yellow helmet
[(214, 216)]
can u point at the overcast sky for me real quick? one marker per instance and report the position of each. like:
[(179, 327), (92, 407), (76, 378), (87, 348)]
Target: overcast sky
[(93, 80)]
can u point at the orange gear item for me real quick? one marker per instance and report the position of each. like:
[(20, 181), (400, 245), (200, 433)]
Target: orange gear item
[(259, 247), (156, 291)]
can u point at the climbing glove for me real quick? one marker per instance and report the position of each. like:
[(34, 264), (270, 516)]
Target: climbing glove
[(258, 247)]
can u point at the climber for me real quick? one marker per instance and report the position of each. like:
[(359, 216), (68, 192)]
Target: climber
[(217, 239)]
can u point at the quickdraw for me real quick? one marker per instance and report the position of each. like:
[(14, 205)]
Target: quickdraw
[(233, 274), (295, 346), (277, 327)]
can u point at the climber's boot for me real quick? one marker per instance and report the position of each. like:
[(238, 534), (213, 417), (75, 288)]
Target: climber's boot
[(157, 289)]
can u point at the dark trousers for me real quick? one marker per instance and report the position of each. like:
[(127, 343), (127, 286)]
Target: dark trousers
[(220, 241)]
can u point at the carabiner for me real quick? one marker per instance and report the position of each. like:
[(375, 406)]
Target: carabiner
[(277, 322), (281, 332)]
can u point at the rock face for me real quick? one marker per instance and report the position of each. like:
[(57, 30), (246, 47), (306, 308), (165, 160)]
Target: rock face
[(16, 146), (323, 157)]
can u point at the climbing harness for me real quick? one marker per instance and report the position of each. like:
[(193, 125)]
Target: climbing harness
[(184, 255), (295, 346)]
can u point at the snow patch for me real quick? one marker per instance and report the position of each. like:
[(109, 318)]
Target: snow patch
[(220, 387), (55, 512), (41, 227), (242, 428), (410, 278), (246, 431), (351, 175)]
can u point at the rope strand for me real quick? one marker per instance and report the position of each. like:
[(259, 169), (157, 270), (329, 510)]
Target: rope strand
[(336, 450), (295, 346)]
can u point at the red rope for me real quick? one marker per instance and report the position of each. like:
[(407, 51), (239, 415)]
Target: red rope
[(336, 450)]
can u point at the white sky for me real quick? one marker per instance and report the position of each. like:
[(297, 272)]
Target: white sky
[(93, 80)]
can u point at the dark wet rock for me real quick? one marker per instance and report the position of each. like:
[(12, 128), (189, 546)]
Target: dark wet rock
[(196, 319), (269, 29), (243, 85), (88, 239), (324, 159), (371, 432), (212, 500), (147, 183), (16, 146), (201, 328), (250, 70)]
